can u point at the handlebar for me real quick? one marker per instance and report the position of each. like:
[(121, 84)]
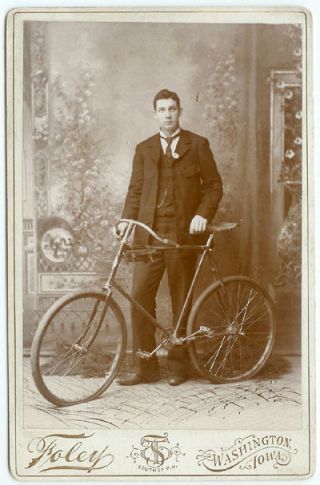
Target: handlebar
[(212, 228), (133, 223)]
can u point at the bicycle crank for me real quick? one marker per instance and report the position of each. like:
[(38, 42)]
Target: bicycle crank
[(141, 354)]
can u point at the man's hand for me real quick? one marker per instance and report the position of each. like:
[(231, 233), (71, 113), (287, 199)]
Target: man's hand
[(198, 225), (119, 230)]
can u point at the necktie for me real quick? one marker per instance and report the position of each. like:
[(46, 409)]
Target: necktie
[(168, 158), (168, 153)]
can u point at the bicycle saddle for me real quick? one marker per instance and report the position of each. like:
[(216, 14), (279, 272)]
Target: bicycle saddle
[(221, 226)]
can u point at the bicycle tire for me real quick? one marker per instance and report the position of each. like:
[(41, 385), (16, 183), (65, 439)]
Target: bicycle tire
[(104, 337), (235, 348)]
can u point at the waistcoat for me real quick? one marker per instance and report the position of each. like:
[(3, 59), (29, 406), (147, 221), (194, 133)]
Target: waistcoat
[(165, 200)]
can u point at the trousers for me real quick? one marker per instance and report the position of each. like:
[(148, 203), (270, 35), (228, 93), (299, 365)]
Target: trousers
[(147, 276)]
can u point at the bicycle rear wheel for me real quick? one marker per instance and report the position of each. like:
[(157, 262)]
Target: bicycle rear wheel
[(241, 328), (78, 347)]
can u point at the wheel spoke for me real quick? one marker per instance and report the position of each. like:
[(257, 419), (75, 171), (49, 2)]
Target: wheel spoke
[(221, 306), (261, 318), (229, 350), (212, 352), (80, 349), (54, 368), (241, 317), (214, 357), (257, 334)]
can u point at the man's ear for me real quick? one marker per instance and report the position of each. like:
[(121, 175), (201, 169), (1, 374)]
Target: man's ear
[(180, 112)]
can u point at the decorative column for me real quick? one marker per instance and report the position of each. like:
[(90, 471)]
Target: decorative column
[(288, 191), (39, 90), (290, 178), (35, 196), (40, 157), (286, 194), (289, 240)]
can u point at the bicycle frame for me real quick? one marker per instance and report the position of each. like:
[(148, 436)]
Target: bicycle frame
[(233, 318), (167, 246)]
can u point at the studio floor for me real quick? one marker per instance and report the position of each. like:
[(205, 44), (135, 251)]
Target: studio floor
[(272, 400)]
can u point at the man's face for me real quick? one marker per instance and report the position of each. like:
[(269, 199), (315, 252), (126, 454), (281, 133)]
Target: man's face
[(167, 114)]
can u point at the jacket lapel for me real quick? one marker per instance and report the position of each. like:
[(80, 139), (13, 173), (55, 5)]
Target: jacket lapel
[(154, 147), (184, 144)]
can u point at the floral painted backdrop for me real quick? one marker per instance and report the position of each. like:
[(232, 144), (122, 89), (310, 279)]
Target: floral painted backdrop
[(81, 186), (88, 96)]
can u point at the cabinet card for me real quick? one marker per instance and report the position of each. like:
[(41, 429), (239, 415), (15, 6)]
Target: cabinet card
[(230, 394)]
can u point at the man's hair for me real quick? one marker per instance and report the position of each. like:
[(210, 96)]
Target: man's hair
[(166, 94)]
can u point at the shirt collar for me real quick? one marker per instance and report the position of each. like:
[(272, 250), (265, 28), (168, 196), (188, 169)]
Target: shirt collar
[(177, 132)]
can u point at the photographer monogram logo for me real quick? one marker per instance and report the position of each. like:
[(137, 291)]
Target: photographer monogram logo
[(156, 454)]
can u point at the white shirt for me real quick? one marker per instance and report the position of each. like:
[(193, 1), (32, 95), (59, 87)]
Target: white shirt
[(174, 143)]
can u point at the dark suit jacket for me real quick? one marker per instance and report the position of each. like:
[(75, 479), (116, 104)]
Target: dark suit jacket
[(197, 185)]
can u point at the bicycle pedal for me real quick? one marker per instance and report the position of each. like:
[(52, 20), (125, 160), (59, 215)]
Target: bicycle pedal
[(143, 355), (205, 330), (178, 341)]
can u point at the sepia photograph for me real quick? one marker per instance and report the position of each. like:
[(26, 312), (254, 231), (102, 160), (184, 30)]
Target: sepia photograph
[(159, 199)]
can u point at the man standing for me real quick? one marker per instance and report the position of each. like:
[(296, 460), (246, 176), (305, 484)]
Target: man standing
[(175, 188)]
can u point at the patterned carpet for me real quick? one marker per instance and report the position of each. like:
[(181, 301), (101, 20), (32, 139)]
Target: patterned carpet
[(270, 400)]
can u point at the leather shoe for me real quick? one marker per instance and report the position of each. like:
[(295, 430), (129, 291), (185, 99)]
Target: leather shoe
[(133, 379), (176, 380)]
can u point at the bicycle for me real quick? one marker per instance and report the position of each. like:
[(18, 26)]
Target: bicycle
[(230, 331)]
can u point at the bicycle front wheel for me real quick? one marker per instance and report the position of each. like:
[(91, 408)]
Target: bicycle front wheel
[(78, 347), (240, 330)]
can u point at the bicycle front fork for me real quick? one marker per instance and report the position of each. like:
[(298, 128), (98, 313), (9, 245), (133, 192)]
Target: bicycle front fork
[(107, 287)]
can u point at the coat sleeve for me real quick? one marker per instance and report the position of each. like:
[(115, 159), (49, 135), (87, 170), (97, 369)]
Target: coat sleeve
[(211, 182), (132, 202)]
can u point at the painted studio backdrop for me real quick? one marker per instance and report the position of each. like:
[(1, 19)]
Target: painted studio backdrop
[(88, 90)]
